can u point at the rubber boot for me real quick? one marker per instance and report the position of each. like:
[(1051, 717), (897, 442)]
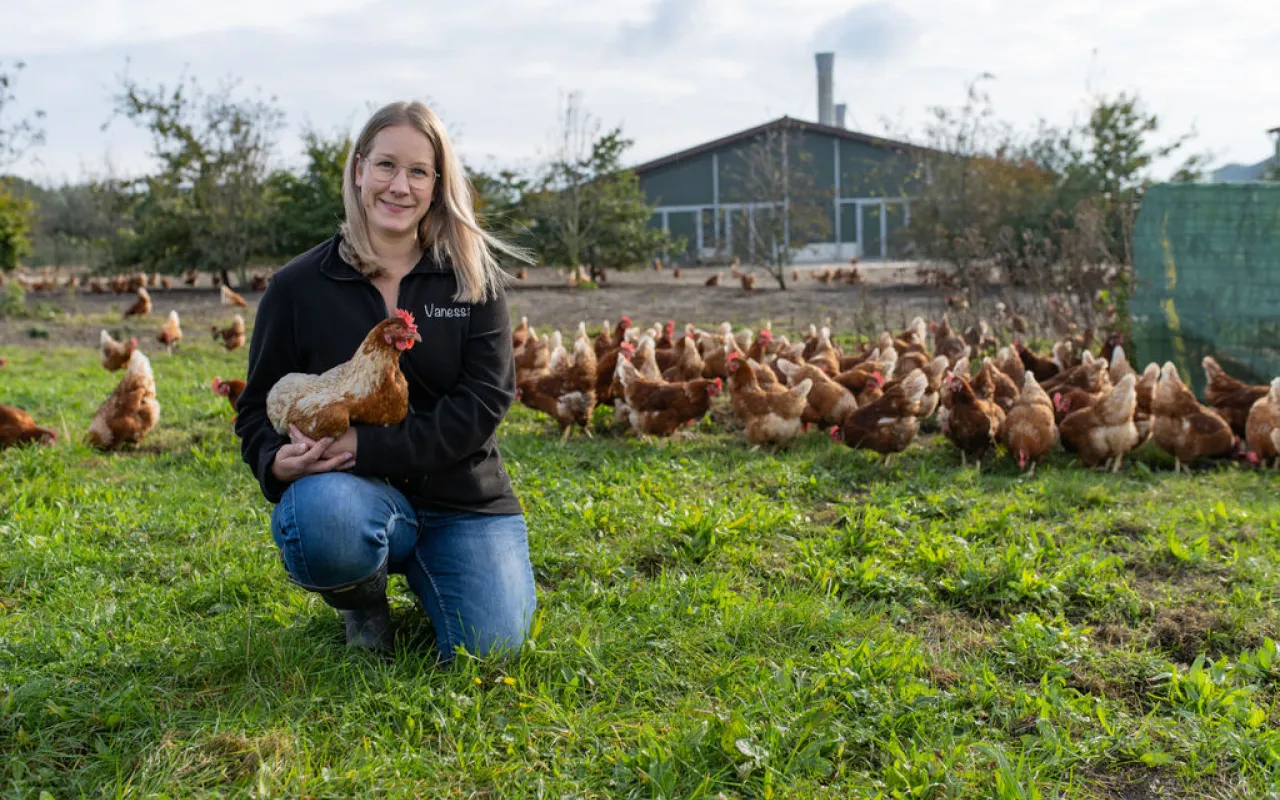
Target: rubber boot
[(366, 612)]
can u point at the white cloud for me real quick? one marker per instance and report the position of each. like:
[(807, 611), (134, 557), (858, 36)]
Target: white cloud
[(31, 26), (672, 74)]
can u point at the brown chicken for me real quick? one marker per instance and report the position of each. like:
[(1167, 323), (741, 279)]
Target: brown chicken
[(947, 343), (520, 334), (1182, 427), (606, 340), (1092, 375), (142, 306), (824, 355), (761, 345), (645, 359), (658, 408), (532, 358), (115, 355), (714, 280), (665, 339), (17, 427), (1114, 342), (170, 332), (828, 402), (1119, 366), (889, 424), (131, 411), (1262, 429), (1029, 429), (992, 384), (857, 379), (933, 372), (688, 361), (567, 393), (716, 358), (1065, 354), (258, 282), (230, 298), (1104, 432), (368, 388), (1231, 398), (229, 389), (1068, 402), (1008, 362), (232, 336), (771, 417), (1043, 368), (608, 388), (973, 424), (980, 338), (748, 282), (767, 376), (1146, 390)]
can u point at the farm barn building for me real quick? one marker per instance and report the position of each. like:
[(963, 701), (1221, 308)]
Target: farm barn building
[(858, 184)]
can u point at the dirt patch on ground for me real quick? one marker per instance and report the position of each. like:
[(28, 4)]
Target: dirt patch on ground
[(1184, 633), (889, 297), (66, 319)]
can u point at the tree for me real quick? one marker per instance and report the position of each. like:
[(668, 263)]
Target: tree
[(16, 138), (500, 200), (1055, 207), (307, 208), (207, 208), (19, 136), (786, 211), (15, 225), (585, 206)]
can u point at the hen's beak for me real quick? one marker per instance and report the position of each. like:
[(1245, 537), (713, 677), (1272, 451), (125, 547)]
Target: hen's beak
[(416, 337)]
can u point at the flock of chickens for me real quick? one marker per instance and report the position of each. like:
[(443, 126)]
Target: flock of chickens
[(131, 411), (48, 281), (1096, 406), (876, 398)]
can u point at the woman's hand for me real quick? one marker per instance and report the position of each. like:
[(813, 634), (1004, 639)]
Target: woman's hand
[(305, 456), (346, 443)]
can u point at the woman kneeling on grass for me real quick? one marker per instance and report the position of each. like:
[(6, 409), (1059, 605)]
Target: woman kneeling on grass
[(428, 498)]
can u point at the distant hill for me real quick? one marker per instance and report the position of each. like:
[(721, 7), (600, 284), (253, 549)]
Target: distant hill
[(1238, 173)]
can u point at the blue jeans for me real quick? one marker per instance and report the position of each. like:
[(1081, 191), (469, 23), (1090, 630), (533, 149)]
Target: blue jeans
[(471, 571)]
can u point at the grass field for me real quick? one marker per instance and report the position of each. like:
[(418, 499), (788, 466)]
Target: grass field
[(713, 622)]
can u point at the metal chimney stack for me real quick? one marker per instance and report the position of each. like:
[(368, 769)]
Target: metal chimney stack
[(826, 109), (840, 109)]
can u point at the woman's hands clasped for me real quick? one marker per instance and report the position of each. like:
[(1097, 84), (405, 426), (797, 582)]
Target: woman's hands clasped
[(304, 456)]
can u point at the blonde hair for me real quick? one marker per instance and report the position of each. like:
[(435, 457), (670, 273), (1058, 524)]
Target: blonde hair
[(449, 227)]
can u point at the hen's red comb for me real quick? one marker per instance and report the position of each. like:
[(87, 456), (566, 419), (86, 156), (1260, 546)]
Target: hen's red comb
[(407, 318)]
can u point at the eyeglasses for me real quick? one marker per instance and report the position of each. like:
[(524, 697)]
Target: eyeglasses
[(386, 171)]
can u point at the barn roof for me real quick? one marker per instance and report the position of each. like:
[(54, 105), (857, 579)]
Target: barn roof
[(781, 123)]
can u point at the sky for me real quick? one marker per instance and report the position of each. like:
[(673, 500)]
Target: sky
[(671, 73)]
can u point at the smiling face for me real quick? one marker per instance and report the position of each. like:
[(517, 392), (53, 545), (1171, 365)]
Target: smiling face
[(395, 205)]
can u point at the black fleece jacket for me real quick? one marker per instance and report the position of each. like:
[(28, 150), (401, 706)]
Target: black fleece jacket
[(317, 310)]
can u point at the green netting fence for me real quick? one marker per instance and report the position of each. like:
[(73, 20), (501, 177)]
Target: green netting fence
[(1207, 269)]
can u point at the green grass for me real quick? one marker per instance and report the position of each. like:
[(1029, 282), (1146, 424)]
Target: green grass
[(714, 621)]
